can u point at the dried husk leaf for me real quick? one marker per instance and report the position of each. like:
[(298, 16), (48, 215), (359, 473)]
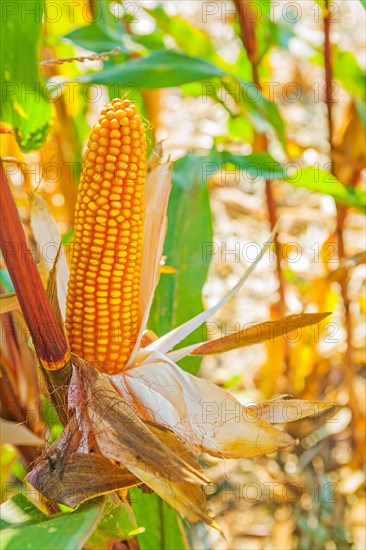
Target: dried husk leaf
[(120, 433), (82, 477), (175, 443), (278, 411), (17, 434), (122, 436), (154, 159), (157, 190), (220, 425), (257, 334), (52, 291), (189, 499), (159, 399)]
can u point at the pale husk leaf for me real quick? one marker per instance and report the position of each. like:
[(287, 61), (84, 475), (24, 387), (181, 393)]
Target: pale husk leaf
[(17, 434), (277, 411), (157, 190), (221, 426), (48, 239)]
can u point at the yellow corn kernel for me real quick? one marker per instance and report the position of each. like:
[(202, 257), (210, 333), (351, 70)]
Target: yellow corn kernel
[(108, 217)]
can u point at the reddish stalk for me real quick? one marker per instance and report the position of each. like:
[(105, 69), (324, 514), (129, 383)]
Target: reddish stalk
[(341, 211), (48, 339)]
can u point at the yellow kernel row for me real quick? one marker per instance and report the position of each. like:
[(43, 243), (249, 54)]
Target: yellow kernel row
[(103, 293)]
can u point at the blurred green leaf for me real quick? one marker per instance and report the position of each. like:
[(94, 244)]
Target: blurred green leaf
[(363, 2), (255, 164), (361, 108), (179, 296), (189, 39), (97, 38), (263, 113), (163, 526), (24, 526), (152, 41), (315, 179), (67, 238), (160, 69), (348, 72), (310, 177), (24, 100), (282, 32), (240, 128), (167, 68), (105, 33)]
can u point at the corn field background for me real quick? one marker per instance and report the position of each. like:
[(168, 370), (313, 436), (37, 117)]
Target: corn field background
[(260, 108)]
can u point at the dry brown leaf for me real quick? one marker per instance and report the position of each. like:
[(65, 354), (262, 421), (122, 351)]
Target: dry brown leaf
[(155, 157), (198, 412), (259, 333), (278, 411), (17, 434), (84, 476), (122, 436)]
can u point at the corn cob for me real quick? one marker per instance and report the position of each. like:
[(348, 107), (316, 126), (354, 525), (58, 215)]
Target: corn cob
[(103, 292)]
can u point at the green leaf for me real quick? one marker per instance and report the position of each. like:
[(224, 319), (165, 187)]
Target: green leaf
[(189, 39), (255, 164), (361, 108), (240, 128), (349, 73), (179, 296), (24, 100), (271, 114), (97, 38), (311, 178), (346, 70), (25, 527), (363, 2), (163, 526), (105, 33), (167, 68), (160, 69), (19, 510), (315, 179), (118, 523), (152, 41)]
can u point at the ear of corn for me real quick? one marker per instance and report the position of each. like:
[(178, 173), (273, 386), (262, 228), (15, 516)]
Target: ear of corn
[(103, 292)]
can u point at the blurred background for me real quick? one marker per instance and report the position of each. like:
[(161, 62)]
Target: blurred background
[(233, 151)]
